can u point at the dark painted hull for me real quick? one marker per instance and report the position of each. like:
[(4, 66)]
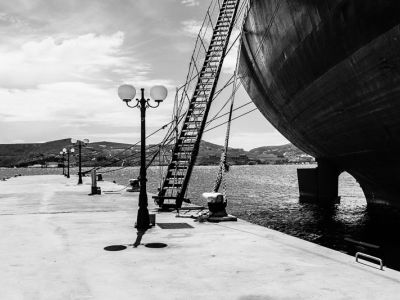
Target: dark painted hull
[(326, 74)]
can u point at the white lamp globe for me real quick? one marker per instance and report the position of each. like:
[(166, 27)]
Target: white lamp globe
[(158, 92), (61, 152), (73, 141), (65, 150), (126, 92), (72, 150)]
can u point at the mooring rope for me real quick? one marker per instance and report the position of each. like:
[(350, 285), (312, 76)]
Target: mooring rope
[(223, 166)]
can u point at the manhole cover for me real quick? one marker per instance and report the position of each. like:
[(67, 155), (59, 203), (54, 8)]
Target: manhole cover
[(156, 245), (115, 248), (174, 225)]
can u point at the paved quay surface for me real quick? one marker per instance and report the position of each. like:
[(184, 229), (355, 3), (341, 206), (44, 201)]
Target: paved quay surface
[(53, 237)]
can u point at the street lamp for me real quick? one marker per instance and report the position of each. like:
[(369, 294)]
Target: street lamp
[(68, 151), (158, 94), (63, 161), (80, 143)]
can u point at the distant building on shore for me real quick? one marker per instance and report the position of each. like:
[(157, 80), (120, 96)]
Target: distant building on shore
[(304, 158), (36, 166), (51, 164), (269, 158)]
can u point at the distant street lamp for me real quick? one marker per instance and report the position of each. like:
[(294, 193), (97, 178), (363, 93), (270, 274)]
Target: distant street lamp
[(158, 94), (68, 151), (63, 161), (80, 144)]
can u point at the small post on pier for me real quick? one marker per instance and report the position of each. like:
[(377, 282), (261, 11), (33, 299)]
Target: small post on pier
[(95, 189), (80, 163)]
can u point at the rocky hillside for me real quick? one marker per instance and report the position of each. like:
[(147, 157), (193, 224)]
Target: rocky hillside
[(280, 151), (101, 153)]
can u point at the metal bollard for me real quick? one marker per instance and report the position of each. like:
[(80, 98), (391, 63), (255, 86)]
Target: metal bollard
[(94, 183)]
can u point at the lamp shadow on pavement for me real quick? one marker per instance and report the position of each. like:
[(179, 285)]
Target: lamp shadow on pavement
[(140, 234), (115, 248)]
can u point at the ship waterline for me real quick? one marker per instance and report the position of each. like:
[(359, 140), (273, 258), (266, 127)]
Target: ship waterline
[(326, 74)]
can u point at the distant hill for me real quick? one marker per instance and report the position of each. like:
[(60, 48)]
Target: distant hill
[(277, 150), (210, 154), (105, 144), (18, 154), (100, 153)]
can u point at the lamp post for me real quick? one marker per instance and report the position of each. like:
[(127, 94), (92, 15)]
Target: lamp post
[(80, 144), (68, 151), (63, 161), (158, 93)]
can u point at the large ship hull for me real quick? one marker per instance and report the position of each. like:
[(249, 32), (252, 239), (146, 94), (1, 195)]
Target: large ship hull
[(326, 74)]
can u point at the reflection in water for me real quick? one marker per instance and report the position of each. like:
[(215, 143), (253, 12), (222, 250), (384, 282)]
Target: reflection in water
[(268, 195)]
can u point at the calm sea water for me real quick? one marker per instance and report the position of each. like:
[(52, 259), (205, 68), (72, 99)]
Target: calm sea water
[(268, 195)]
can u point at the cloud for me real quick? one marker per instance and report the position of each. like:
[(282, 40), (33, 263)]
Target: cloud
[(53, 102), (191, 27), (85, 58), (10, 20), (75, 109), (62, 61), (190, 2), (70, 102), (68, 87), (230, 59), (249, 140)]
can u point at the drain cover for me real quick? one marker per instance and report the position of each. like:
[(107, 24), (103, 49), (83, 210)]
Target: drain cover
[(174, 225), (115, 248), (156, 245)]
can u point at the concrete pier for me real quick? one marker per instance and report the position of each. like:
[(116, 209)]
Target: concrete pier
[(53, 237)]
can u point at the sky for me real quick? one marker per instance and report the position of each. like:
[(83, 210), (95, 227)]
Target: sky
[(63, 60)]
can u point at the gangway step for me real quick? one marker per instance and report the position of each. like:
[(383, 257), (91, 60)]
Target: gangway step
[(170, 176), (178, 167), (168, 185)]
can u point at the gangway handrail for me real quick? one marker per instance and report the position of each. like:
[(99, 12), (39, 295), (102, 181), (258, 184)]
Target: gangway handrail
[(370, 257)]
